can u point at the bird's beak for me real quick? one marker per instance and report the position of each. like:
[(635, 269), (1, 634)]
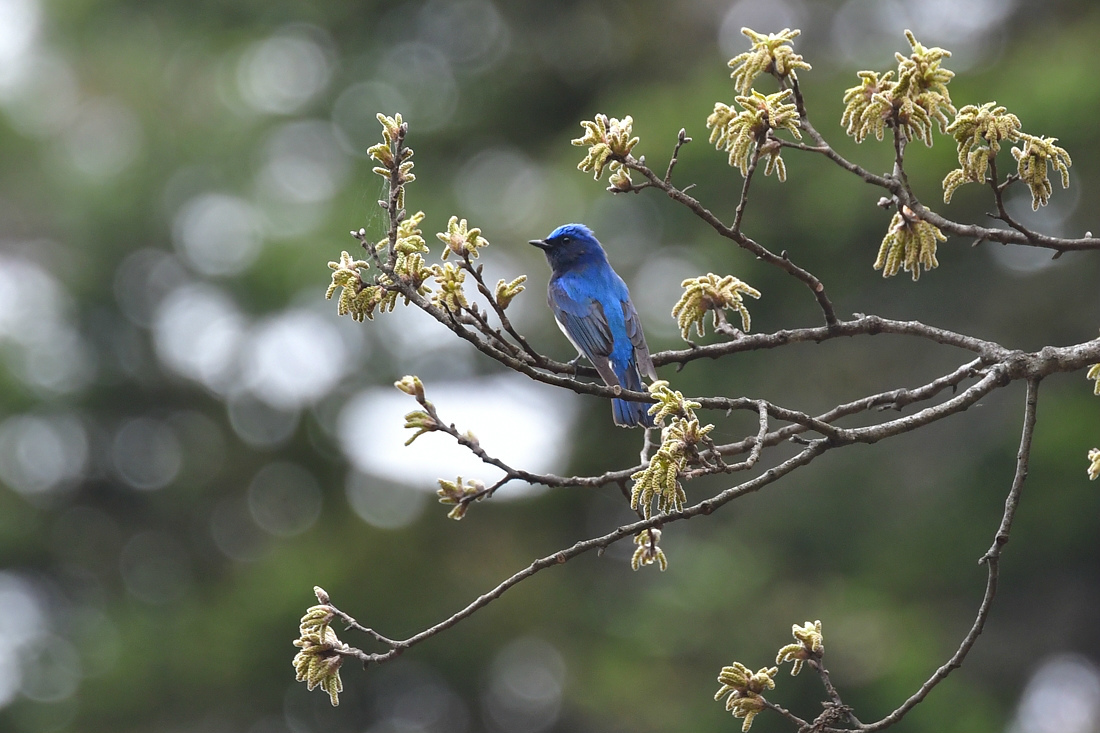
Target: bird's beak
[(540, 243)]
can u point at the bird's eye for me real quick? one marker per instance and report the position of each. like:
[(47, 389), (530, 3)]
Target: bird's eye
[(566, 239)]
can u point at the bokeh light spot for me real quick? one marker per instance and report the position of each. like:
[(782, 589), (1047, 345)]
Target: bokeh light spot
[(283, 73), (629, 227), (20, 21), (142, 281), (104, 139), (40, 453), (21, 625), (382, 504), (353, 114), (521, 423), (51, 670), (197, 331), (294, 358), (234, 532), (1063, 696), (284, 499), (867, 31), (146, 453), (260, 424), (470, 33), (303, 163), (155, 568), (525, 687), (425, 76), (502, 186), (411, 697), (46, 97), (659, 278), (35, 317), (218, 234)]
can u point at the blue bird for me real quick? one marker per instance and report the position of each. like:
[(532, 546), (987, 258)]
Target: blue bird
[(592, 307)]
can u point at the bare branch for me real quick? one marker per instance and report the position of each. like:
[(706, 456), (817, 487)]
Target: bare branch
[(1018, 235), (596, 543), (740, 213), (861, 325), (811, 451), (992, 561), (802, 724), (681, 139), (505, 322), (989, 367), (998, 196), (838, 705), (782, 262)]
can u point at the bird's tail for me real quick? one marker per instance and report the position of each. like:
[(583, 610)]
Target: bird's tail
[(630, 414)]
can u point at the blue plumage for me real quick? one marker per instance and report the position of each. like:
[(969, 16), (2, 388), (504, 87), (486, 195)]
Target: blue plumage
[(592, 307)]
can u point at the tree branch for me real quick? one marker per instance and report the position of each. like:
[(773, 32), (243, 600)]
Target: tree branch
[(782, 262), (991, 559)]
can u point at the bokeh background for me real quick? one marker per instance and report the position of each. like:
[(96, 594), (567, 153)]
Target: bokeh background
[(190, 439)]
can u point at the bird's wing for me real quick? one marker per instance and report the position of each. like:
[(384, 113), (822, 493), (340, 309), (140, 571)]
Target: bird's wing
[(585, 325), (637, 338)]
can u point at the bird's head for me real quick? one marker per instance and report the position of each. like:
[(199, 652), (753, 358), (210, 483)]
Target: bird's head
[(571, 245)]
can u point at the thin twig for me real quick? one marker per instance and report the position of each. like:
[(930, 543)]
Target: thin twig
[(1020, 236), (681, 139), (897, 398), (705, 507), (991, 559), (505, 322), (802, 724), (743, 202), (900, 142), (647, 445), (351, 623), (998, 197), (862, 325), (831, 691), (811, 451), (784, 263)]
